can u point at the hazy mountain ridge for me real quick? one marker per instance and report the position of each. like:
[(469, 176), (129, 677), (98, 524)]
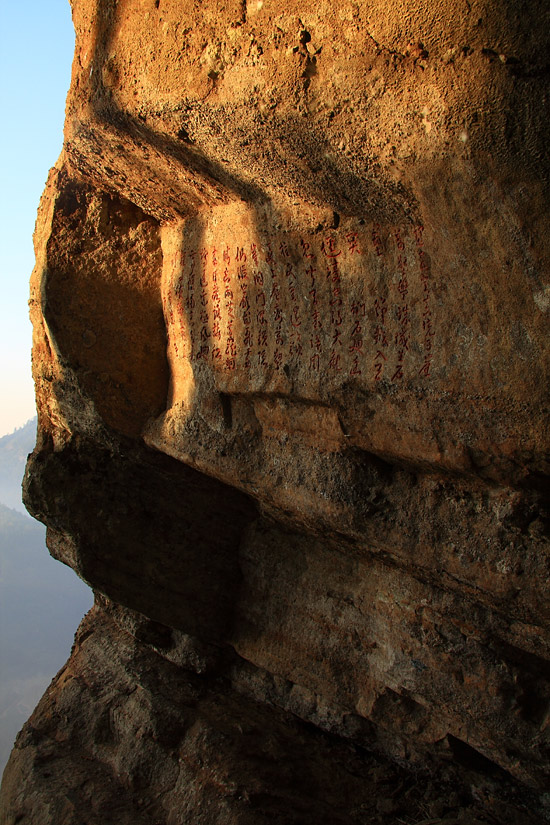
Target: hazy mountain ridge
[(14, 449), (41, 601)]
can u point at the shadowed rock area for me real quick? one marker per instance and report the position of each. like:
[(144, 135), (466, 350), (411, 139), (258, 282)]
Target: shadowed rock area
[(290, 311)]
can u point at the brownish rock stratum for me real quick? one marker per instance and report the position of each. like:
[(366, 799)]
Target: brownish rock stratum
[(290, 310)]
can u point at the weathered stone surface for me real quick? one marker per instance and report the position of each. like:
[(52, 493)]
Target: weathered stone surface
[(291, 353), (122, 735)]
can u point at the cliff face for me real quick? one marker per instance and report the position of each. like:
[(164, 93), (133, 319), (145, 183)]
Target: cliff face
[(291, 308)]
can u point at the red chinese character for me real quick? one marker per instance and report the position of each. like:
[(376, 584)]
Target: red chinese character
[(398, 374), (403, 286), (316, 343), (328, 247), (402, 340), (334, 362), (425, 370), (311, 272), (305, 249), (355, 369), (403, 315), (314, 362), (335, 271), (380, 308), (376, 242), (352, 240), (240, 254)]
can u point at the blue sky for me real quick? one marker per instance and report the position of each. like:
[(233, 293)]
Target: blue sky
[(36, 47)]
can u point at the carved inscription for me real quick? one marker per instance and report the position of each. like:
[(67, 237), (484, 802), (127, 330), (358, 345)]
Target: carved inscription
[(354, 305)]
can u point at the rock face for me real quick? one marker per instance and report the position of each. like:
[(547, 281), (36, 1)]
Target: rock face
[(291, 308)]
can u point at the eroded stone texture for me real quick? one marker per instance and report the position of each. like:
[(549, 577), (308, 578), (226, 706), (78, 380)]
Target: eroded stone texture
[(122, 735), (291, 353)]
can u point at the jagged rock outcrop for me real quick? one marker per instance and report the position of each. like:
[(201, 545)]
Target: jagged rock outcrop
[(291, 308)]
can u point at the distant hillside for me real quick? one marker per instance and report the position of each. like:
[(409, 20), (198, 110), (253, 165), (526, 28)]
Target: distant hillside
[(41, 601), (14, 449), (41, 604)]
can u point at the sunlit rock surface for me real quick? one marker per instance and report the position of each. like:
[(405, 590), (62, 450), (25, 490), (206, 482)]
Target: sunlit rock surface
[(291, 309)]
